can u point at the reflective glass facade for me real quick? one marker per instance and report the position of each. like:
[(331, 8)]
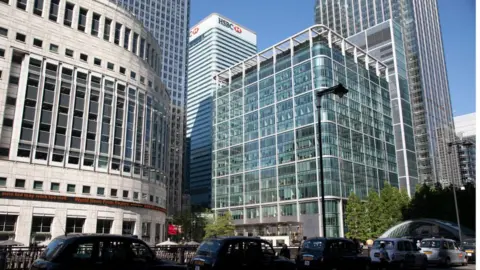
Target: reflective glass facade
[(384, 41), (428, 86), (266, 138)]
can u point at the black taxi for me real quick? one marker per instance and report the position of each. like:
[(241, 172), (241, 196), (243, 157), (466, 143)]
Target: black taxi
[(238, 253)]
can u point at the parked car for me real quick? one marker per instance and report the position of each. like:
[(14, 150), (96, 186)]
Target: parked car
[(238, 253), (468, 245), (330, 253), (100, 252), (442, 252), (402, 254)]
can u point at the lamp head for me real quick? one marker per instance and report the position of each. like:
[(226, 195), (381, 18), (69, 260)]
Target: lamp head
[(340, 90)]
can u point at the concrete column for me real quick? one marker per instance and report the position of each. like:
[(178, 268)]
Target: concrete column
[(24, 225), (59, 223)]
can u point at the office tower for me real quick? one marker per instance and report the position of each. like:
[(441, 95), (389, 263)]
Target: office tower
[(465, 129), (168, 21), (384, 42), (427, 76), (83, 144), (266, 138), (216, 43)]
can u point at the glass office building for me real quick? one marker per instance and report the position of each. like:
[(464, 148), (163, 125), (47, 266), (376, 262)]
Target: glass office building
[(216, 43), (265, 135), (426, 69), (168, 22)]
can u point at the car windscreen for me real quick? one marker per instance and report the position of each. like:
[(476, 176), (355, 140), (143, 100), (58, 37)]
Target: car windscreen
[(315, 244), (52, 249), (388, 244), (208, 248), (430, 244)]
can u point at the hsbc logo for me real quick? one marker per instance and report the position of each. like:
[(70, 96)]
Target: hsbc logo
[(230, 25), (194, 31)]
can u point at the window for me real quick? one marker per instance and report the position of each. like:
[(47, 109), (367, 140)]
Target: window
[(37, 42), (100, 191), (83, 57), (0, 74), (128, 227), (53, 13), (22, 4), (41, 226), (95, 24), (82, 19), (106, 29), (110, 66), (86, 190), (125, 194), (11, 101), (7, 223), (135, 196), (20, 183), (126, 39), (3, 32), (104, 225), (113, 192), (38, 7), (20, 37), (67, 20), (74, 225), (69, 52), (133, 75), (142, 80), (2, 53), (55, 187), (38, 185), (122, 70), (71, 188), (97, 62), (3, 182), (54, 48), (7, 122), (118, 28)]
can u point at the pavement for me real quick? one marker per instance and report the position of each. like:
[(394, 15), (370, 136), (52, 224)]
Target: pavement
[(468, 267)]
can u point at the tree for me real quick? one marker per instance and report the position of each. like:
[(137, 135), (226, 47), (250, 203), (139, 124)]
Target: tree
[(392, 203), (373, 211), (221, 225), (355, 218)]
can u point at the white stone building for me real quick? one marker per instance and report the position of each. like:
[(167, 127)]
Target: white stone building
[(84, 135)]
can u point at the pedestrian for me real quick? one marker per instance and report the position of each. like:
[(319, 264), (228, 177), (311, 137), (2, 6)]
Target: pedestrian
[(285, 252), (418, 244), (384, 257), (301, 242), (357, 244)]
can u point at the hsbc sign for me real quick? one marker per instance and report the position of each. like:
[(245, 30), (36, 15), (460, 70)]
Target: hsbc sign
[(230, 25)]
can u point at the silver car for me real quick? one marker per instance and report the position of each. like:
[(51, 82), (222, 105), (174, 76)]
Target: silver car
[(402, 253), (442, 252)]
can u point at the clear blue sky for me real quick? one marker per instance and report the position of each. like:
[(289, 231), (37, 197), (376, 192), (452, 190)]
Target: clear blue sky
[(275, 20)]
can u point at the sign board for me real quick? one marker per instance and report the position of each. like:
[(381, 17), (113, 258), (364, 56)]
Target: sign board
[(79, 200), (217, 21)]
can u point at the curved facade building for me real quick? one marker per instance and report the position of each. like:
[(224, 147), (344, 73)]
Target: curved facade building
[(85, 122), (427, 228)]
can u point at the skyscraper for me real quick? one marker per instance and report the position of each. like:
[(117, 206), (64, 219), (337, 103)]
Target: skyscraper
[(168, 21), (266, 155), (426, 69), (384, 41), (215, 44)]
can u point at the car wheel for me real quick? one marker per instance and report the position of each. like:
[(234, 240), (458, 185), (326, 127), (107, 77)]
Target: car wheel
[(447, 262), (401, 265)]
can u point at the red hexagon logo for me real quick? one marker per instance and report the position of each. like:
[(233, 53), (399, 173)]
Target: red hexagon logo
[(237, 29), (194, 31)]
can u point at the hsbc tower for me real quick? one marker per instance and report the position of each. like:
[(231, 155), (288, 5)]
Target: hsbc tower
[(215, 43)]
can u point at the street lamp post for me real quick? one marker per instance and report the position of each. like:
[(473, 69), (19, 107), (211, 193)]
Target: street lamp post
[(466, 144), (340, 91)]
